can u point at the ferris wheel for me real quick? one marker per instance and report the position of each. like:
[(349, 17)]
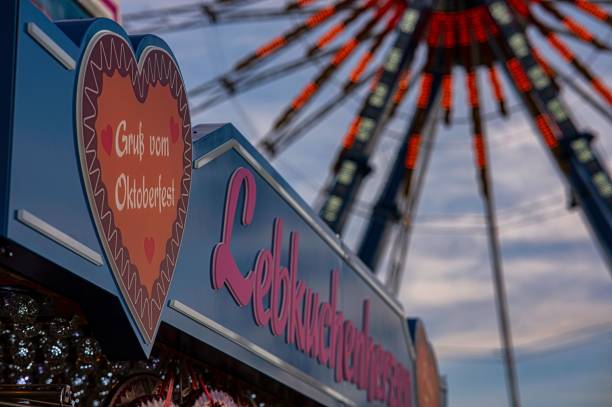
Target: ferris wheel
[(374, 57), (367, 51)]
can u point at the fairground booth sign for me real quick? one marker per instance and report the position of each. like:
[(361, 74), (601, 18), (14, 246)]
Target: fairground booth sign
[(166, 233)]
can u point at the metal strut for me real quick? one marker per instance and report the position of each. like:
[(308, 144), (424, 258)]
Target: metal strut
[(486, 192), (353, 162)]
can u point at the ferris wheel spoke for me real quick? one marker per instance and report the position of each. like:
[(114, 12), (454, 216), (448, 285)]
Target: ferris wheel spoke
[(323, 77), (351, 134), (404, 85), (594, 10), (280, 42), (448, 43), (566, 53), (431, 89), (575, 28), (447, 97), (485, 187), (524, 86), (498, 91), (368, 56), (586, 97), (275, 143), (299, 4), (190, 16), (338, 28)]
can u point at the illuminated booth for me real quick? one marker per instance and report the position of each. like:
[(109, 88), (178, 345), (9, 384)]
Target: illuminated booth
[(144, 262)]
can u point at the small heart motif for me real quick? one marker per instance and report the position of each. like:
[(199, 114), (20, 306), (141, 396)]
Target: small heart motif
[(107, 139), (149, 248), (174, 129)]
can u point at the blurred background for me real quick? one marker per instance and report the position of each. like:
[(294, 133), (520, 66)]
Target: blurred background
[(558, 285)]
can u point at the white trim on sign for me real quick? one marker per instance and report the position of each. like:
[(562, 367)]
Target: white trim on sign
[(53, 233), (50, 46), (258, 351)]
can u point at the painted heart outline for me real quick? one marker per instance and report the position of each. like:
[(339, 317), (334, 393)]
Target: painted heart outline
[(106, 54)]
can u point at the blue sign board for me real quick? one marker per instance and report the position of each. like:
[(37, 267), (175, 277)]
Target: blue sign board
[(258, 276)]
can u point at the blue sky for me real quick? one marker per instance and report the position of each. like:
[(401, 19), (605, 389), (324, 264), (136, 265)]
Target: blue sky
[(559, 290)]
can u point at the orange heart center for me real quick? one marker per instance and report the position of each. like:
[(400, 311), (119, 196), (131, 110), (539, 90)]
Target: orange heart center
[(141, 165)]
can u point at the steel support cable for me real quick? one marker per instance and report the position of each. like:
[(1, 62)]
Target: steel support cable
[(481, 160), (537, 348), (338, 59), (501, 141), (505, 221), (512, 217), (450, 229), (509, 214)]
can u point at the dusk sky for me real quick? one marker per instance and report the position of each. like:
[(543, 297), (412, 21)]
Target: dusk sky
[(560, 290)]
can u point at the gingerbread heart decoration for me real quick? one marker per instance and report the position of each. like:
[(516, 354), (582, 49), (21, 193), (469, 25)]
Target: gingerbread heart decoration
[(134, 137)]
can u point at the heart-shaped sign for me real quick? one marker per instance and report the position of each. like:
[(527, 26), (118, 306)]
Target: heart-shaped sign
[(134, 136)]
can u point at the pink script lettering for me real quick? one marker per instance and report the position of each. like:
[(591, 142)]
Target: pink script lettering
[(284, 303)]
